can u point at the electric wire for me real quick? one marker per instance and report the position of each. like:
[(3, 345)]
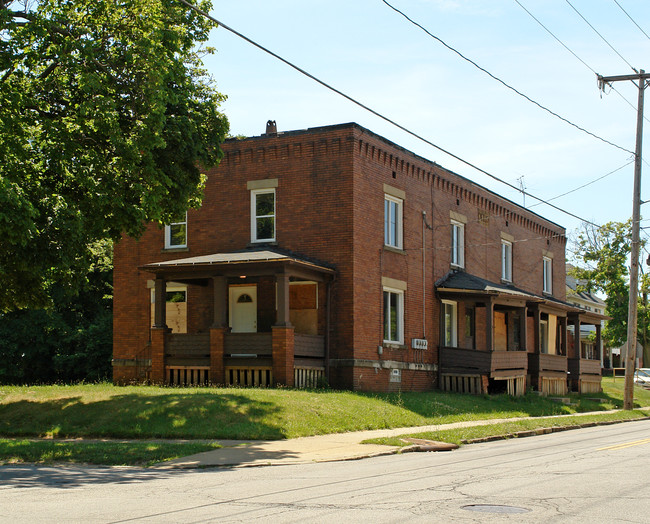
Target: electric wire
[(601, 36), (632, 19), (574, 54), (505, 84), (585, 185), (383, 117)]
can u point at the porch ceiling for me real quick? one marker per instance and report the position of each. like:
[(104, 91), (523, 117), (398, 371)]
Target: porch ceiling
[(249, 262)]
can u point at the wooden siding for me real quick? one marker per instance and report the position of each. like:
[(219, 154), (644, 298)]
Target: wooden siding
[(582, 366), (309, 346), (185, 350), (248, 343), (497, 364), (539, 362)]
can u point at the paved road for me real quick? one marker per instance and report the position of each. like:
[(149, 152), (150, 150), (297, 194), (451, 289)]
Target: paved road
[(590, 475)]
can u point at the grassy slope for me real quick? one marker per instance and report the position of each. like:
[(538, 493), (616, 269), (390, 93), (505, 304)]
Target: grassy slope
[(103, 410)]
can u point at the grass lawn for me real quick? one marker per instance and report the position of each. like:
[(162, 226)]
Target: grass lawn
[(139, 412)]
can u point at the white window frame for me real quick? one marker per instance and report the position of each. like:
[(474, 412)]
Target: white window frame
[(450, 310), (457, 244), (393, 219), (393, 338), (547, 275), (506, 260), (255, 217), (168, 234)]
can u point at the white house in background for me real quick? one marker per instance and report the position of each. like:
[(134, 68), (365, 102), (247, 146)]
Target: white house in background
[(589, 302)]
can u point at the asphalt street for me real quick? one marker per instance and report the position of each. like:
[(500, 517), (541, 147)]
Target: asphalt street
[(594, 475)]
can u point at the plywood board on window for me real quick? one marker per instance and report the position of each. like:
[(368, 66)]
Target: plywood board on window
[(500, 331)]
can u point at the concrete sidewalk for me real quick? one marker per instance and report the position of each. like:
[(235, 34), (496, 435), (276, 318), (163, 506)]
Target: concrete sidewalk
[(321, 448)]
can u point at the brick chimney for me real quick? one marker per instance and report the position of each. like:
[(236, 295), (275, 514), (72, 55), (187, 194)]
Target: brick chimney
[(271, 128)]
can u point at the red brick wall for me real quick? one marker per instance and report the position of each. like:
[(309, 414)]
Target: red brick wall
[(329, 206)]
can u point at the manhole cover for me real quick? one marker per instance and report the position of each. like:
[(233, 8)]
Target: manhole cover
[(495, 508)]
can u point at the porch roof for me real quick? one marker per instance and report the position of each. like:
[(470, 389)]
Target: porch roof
[(460, 282), (250, 261)]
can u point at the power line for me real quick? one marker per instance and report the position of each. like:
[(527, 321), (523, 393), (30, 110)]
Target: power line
[(601, 36), (632, 19), (587, 184), (573, 53), (504, 83), (379, 115)]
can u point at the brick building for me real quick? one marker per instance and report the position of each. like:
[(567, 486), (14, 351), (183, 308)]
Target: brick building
[(332, 253)]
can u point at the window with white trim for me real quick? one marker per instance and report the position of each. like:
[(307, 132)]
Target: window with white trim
[(457, 244), (450, 324), (393, 221), (263, 215), (393, 316), (506, 260), (176, 233), (547, 275)]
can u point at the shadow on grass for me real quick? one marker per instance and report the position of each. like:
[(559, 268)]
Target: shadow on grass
[(464, 406), (199, 415)]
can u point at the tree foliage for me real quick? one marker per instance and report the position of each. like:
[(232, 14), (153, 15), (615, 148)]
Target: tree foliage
[(71, 341), (105, 115), (604, 257)]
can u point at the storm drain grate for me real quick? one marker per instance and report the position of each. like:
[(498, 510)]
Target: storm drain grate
[(495, 508)]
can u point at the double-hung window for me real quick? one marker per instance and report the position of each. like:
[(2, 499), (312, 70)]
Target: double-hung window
[(176, 233), (393, 316), (547, 274), (506, 260), (263, 215), (457, 244), (450, 324), (393, 221)]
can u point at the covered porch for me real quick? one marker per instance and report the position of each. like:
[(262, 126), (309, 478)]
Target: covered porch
[(585, 346), (484, 331), (254, 318)]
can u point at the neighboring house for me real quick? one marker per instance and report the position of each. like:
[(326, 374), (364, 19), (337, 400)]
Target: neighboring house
[(334, 254), (589, 302)]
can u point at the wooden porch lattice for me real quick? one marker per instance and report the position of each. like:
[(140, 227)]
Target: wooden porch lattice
[(187, 375), (461, 383), (307, 377), (249, 376)]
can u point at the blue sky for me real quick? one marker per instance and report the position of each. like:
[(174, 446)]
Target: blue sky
[(373, 54)]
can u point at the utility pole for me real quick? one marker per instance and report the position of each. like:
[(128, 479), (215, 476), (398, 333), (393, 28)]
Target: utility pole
[(641, 77)]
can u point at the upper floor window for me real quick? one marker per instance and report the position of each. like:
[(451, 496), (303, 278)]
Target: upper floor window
[(547, 275), (176, 233), (506, 261), (263, 215), (393, 221), (457, 244)]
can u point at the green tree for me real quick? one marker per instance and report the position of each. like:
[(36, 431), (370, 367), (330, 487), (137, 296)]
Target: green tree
[(70, 341), (106, 113), (604, 257)]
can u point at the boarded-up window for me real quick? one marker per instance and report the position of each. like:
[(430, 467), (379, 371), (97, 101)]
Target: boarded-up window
[(500, 331)]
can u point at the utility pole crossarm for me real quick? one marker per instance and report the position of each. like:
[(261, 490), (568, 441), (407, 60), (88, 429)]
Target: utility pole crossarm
[(609, 79)]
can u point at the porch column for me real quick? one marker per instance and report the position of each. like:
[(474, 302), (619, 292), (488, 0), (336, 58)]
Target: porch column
[(489, 325), (283, 335), (564, 326), (282, 296), (220, 303), (218, 329), (598, 344), (523, 329), (160, 307), (158, 332), (537, 320)]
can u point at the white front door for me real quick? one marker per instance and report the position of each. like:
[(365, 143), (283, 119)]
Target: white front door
[(243, 309)]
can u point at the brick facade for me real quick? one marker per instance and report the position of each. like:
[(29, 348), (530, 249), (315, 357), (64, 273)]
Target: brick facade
[(331, 186)]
